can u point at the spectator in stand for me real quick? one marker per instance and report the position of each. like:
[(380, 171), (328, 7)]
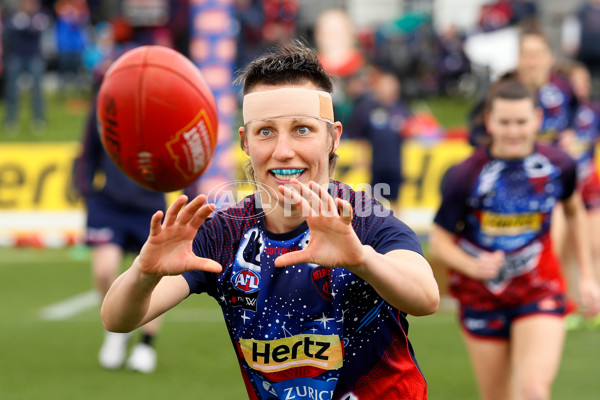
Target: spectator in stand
[(495, 15), (452, 61), (1, 44), (524, 11), (340, 55), (23, 29), (72, 22), (263, 24)]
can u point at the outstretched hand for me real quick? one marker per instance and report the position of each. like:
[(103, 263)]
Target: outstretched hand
[(168, 249), (333, 242)]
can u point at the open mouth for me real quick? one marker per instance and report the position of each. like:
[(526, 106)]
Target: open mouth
[(285, 174)]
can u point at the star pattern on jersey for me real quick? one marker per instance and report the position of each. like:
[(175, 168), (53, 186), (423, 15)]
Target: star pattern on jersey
[(245, 317), (324, 320)]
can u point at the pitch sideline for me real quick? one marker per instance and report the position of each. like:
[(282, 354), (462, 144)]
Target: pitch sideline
[(70, 307)]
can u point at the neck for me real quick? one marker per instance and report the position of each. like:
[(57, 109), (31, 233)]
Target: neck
[(495, 153), (282, 220)]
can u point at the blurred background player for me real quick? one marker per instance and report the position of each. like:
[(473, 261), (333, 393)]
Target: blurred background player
[(493, 231), (555, 97), (583, 150), (580, 38), (118, 221), (118, 214), (379, 116)]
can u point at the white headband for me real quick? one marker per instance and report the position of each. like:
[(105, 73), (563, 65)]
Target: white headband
[(287, 103)]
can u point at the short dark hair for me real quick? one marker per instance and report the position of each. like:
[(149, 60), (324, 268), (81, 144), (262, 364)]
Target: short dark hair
[(293, 63), (509, 87), (533, 30)]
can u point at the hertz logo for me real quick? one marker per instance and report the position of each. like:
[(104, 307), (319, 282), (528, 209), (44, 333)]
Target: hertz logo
[(510, 224), (320, 351)]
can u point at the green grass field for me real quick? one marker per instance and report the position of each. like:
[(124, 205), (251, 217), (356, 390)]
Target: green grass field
[(56, 359)]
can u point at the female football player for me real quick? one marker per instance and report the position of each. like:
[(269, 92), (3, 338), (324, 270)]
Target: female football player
[(314, 279), (492, 231)]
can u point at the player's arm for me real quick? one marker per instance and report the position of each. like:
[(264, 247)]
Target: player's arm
[(443, 248), (136, 298), (403, 278), (578, 228), (153, 284)]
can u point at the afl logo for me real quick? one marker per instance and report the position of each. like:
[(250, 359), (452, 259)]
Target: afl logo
[(246, 281)]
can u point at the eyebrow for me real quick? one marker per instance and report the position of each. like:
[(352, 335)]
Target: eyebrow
[(294, 120)]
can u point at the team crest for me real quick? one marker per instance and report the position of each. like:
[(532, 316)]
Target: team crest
[(321, 278)]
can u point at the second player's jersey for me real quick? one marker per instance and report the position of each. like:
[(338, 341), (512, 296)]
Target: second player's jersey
[(306, 331), (493, 204), (558, 103), (587, 129)]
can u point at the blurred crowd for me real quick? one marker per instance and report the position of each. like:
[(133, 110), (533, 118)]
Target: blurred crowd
[(74, 41)]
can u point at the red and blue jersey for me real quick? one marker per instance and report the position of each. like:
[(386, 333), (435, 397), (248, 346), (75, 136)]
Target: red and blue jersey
[(493, 204), (587, 129), (306, 331), (558, 103)]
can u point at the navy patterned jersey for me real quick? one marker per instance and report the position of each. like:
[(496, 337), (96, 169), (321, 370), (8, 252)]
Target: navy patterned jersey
[(587, 129), (493, 204), (306, 331), (558, 103)]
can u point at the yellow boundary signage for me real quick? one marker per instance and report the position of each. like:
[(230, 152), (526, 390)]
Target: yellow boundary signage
[(39, 176)]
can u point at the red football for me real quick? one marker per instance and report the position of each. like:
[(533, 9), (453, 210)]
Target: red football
[(157, 118)]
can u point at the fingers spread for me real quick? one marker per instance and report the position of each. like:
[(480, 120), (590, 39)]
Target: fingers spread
[(174, 209), (191, 209), (291, 258), (293, 197), (327, 202), (206, 264), (155, 227), (201, 215), (345, 210)]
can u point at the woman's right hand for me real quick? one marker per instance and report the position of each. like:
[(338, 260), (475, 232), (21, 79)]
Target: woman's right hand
[(488, 265), (168, 249)]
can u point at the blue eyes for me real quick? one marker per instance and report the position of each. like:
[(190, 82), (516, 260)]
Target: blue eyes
[(302, 130)]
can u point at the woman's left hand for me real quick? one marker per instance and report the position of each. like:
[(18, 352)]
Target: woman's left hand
[(333, 242), (590, 296)]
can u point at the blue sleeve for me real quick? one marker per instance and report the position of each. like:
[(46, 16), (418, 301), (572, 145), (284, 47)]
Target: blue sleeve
[(358, 126), (453, 209), (88, 161), (478, 135), (384, 232), (572, 107), (568, 168)]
